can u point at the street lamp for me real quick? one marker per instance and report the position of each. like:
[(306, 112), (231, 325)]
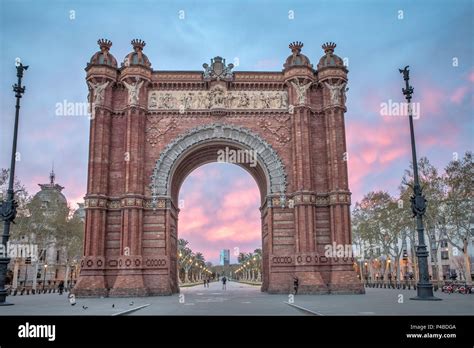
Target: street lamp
[(418, 206), (8, 206), (44, 276), (366, 273)]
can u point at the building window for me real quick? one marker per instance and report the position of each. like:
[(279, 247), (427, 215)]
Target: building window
[(444, 255), (57, 256), (444, 243)]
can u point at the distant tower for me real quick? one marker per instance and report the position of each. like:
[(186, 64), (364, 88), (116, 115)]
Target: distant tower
[(225, 257)]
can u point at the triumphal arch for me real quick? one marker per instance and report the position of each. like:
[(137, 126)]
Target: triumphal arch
[(150, 128)]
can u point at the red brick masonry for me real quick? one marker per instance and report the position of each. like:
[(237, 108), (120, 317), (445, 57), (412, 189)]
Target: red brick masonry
[(130, 246)]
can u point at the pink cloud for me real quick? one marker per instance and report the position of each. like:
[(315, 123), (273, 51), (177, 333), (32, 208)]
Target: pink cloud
[(431, 100), (458, 94), (220, 213), (391, 155), (471, 76)]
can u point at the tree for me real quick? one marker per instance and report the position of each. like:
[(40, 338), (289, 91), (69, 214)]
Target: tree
[(20, 194), (185, 255), (459, 181), (199, 264), (433, 187)]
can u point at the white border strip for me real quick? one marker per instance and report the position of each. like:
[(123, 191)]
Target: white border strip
[(304, 309), (130, 310)]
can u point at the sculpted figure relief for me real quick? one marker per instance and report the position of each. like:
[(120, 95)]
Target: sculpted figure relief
[(336, 92), (98, 92), (133, 91), (301, 90), (217, 97)]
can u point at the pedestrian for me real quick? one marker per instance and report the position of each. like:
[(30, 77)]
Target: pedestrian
[(224, 280), (296, 283), (61, 287), (204, 281)]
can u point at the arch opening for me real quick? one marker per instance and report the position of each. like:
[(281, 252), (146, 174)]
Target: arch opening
[(201, 145), (220, 223)]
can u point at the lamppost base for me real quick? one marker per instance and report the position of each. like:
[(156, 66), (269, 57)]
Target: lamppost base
[(424, 292), (431, 298)]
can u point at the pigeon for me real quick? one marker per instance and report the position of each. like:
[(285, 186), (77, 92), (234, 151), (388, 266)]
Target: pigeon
[(84, 307), (131, 303), (113, 305), (73, 304)]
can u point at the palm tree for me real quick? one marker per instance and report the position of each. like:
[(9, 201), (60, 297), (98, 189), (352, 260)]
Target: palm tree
[(184, 256), (257, 258), (199, 263)]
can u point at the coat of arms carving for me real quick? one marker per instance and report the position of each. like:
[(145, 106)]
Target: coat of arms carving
[(218, 70)]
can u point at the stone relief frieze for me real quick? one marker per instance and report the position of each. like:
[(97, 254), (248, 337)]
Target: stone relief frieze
[(217, 98)]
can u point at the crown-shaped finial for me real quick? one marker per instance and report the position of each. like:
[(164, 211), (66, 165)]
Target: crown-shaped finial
[(138, 44), (104, 44), (329, 47), (296, 47)]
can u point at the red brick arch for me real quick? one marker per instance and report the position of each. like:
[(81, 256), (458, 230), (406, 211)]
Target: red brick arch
[(151, 128)]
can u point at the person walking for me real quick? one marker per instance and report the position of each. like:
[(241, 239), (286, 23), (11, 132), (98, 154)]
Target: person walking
[(296, 283), (61, 287), (224, 280)]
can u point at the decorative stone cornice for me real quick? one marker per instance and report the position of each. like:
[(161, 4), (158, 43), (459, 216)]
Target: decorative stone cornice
[(308, 259), (340, 197), (95, 203)]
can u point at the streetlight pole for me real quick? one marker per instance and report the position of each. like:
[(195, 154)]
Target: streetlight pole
[(418, 205), (44, 276), (8, 206)]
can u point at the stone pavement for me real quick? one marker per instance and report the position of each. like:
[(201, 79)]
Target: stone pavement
[(243, 299)]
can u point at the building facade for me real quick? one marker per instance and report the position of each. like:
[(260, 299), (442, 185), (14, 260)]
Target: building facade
[(151, 128)]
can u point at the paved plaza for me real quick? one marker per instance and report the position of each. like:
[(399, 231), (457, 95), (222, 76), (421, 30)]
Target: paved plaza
[(243, 299)]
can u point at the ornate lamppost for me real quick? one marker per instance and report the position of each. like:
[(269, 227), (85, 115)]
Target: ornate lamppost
[(418, 205), (8, 206)]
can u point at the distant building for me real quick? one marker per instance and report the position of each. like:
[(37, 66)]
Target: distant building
[(51, 263), (225, 257), (80, 212)]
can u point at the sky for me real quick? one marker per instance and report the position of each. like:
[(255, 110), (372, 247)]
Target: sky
[(376, 38)]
